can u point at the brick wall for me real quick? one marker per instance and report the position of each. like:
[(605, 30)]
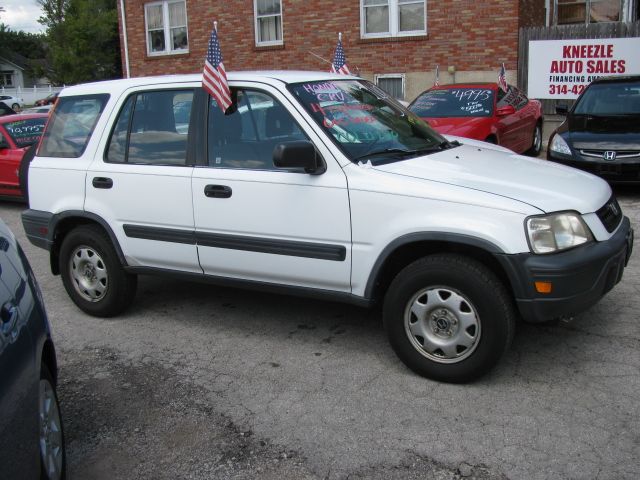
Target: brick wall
[(471, 35)]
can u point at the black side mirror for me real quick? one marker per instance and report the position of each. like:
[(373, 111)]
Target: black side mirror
[(3, 144), (562, 109), (299, 154)]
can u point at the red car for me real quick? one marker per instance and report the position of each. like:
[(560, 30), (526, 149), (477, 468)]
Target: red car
[(17, 134), (48, 100), (483, 111)]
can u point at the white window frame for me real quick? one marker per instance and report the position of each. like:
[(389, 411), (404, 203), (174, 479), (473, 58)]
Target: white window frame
[(400, 76), (168, 50), (394, 22), (257, 27)]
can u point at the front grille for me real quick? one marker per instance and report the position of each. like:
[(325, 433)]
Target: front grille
[(618, 154), (610, 214)]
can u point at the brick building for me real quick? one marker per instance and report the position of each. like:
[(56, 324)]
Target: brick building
[(396, 43)]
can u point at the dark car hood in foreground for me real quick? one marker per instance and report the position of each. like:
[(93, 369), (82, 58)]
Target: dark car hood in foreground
[(603, 133)]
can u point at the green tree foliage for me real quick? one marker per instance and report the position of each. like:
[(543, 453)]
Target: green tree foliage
[(29, 45), (83, 40)]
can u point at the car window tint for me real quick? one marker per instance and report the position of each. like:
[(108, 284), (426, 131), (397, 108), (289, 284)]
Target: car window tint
[(246, 138), (71, 125), (454, 102), (25, 132), (158, 132)]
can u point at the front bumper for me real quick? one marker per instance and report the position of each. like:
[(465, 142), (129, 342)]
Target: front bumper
[(615, 172), (580, 276)]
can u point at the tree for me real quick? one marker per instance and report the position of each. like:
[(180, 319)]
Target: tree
[(29, 45), (83, 40)]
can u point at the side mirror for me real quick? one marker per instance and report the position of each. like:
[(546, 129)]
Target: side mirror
[(562, 109), (299, 154), (506, 110), (4, 144)]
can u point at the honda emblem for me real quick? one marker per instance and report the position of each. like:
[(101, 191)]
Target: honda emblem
[(609, 155)]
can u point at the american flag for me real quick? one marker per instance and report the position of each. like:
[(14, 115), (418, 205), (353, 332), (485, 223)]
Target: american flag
[(339, 64), (502, 79), (436, 82), (214, 77)]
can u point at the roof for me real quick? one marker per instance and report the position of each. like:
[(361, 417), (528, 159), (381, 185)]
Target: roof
[(266, 76), (618, 79), (21, 116), (465, 85)]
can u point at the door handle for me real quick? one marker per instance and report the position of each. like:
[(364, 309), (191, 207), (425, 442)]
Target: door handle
[(102, 182), (217, 191)]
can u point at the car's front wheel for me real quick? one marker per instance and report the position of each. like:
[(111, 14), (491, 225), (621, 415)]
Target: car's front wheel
[(448, 317), (92, 274), (51, 437), (15, 107)]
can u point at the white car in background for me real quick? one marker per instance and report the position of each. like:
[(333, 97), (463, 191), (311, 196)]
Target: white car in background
[(10, 101)]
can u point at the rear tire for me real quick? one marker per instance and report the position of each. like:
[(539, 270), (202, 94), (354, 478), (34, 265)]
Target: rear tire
[(448, 318), (92, 273), (536, 145)]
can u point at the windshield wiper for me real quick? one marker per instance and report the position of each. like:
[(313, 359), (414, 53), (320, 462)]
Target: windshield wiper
[(388, 152)]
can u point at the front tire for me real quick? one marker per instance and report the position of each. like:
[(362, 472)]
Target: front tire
[(53, 462), (448, 318), (92, 273)]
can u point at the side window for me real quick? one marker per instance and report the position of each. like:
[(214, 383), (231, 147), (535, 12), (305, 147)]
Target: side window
[(152, 128), (246, 138), (71, 125)]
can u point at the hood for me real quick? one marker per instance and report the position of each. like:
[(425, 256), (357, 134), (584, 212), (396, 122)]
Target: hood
[(473, 127), (544, 185), (604, 133)]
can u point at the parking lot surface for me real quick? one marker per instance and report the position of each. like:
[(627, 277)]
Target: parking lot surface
[(197, 381)]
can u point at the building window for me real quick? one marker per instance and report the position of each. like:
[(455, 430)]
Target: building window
[(166, 24), (393, 84), (6, 79), (393, 18), (588, 11), (268, 25)]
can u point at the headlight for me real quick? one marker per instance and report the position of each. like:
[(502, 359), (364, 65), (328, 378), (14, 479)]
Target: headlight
[(557, 231), (559, 145)]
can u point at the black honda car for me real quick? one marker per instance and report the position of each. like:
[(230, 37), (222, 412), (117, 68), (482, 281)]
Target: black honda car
[(601, 133), (31, 437)]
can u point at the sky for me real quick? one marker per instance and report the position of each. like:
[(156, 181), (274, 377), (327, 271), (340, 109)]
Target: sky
[(21, 15)]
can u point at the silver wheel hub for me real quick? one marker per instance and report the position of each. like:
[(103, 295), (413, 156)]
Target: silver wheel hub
[(51, 448), (442, 324), (88, 273)]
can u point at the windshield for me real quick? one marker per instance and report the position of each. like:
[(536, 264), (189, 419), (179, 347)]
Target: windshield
[(610, 99), (365, 122), (25, 132), (458, 102)]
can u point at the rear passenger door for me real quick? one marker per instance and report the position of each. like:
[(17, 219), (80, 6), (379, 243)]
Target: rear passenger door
[(256, 222), (141, 184)]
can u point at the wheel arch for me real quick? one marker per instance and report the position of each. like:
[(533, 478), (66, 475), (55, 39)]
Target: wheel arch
[(405, 250), (67, 221)]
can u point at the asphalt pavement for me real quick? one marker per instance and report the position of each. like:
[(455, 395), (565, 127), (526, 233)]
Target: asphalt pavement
[(202, 382)]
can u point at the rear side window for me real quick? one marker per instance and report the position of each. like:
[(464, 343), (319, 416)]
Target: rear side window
[(71, 125), (152, 128)]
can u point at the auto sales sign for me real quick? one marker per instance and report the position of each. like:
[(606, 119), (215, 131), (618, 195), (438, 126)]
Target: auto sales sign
[(561, 69)]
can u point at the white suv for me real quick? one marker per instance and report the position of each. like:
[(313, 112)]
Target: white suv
[(322, 185)]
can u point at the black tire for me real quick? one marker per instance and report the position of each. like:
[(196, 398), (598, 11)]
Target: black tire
[(15, 107), (23, 172), (491, 139), (53, 458), (464, 312), (536, 142), (92, 273)]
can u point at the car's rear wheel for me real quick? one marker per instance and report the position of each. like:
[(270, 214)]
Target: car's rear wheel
[(51, 438), (536, 143), (448, 317), (92, 274)]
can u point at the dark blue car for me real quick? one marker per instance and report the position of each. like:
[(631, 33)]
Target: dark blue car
[(31, 436)]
